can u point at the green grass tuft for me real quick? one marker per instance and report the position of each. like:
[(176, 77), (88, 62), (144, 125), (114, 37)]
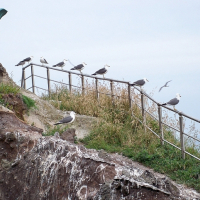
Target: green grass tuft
[(28, 101), (51, 130)]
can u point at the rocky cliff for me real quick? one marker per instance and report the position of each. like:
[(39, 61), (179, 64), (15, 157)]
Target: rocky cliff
[(51, 168), (34, 167)]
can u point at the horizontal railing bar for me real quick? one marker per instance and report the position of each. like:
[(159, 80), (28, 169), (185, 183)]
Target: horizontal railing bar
[(192, 137), (192, 155), (153, 131), (151, 115), (114, 80), (29, 88), (41, 88), (27, 77), (87, 75), (137, 118), (171, 144), (170, 126), (40, 76)]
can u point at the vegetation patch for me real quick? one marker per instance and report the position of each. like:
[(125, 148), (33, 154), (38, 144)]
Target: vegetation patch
[(118, 131), (28, 102), (51, 130)]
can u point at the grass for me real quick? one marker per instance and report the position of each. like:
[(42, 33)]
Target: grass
[(28, 101), (7, 89), (51, 130), (117, 131)]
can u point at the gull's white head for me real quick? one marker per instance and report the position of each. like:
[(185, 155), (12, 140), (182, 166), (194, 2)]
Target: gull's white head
[(65, 60), (106, 66), (31, 56), (145, 80), (84, 63), (178, 96), (72, 113)]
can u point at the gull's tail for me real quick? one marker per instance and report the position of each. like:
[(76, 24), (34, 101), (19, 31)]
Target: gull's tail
[(94, 74), (72, 68), (164, 104), (57, 123)]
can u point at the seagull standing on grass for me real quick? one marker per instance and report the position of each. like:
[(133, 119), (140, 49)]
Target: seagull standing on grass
[(165, 85), (79, 67), (61, 64), (43, 60), (21, 63), (174, 101), (140, 82), (102, 71), (68, 119), (28, 59)]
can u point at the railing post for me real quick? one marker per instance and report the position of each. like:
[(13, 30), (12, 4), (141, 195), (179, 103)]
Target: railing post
[(143, 110), (70, 83), (83, 85), (33, 82), (111, 89), (182, 136), (129, 95), (97, 92), (24, 76), (160, 124), (48, 81), (22, 80)]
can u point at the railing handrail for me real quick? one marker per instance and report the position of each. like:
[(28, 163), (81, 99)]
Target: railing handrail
[(115, 80), (143, 94)]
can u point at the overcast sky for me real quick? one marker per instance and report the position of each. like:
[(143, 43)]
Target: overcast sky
[(159, 40)]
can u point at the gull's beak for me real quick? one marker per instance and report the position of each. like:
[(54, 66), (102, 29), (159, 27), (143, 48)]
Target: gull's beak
[(147, 80)]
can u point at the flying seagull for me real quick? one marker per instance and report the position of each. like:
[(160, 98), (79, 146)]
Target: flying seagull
[(68, 119), (61, 64), (174, 101), (102, 71), (2, 12), (21, 63), (79, 67), (28, 59), (165, 85), (140, 82), (43, 60)]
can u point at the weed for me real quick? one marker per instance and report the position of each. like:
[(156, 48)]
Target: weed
[(28, 101), (51, 131)]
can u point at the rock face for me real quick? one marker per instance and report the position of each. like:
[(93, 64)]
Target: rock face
[(50, 168)]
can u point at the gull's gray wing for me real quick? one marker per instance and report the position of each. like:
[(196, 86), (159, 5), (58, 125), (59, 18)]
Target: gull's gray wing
[(59, 64), (101, 71), (20, 63), (45, 61), (139, 82), (167, 83), (161, 88), (79, 66), (66, 120), (27, 59), (173, 102)]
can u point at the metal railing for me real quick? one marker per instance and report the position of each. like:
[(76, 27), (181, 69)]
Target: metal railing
[(144, 95)]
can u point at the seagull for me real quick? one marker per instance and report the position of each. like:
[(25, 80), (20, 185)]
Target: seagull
[(68, 119), (61, 64), (79, 67), (174, 101), (21, 63), (140, 82), (28, 59), (102, 71), (165, 85), (43, 60)]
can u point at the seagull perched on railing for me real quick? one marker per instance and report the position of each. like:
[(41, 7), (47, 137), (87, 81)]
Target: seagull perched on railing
[(79, 67), (61, 64), (140, 82), (174, 101), (68, 119), (21, 63), (165, 85), (28, 59), (102, 71), (43, 60)]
